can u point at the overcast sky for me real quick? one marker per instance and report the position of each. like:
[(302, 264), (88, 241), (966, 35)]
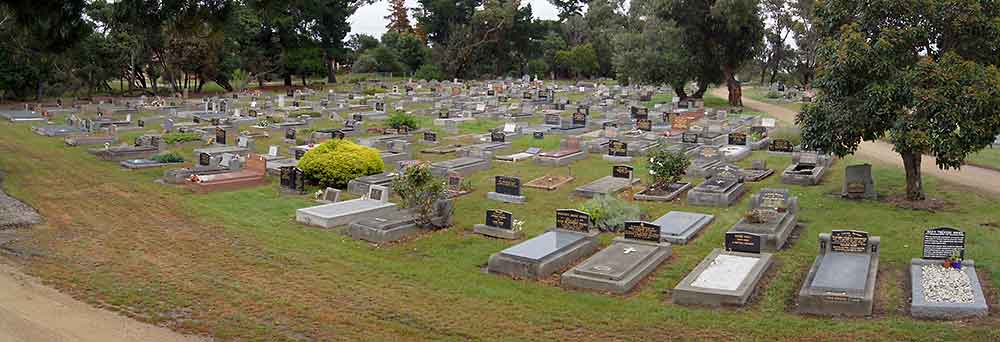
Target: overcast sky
[(371, 19)]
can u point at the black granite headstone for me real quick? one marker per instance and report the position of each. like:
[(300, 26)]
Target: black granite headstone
[(848, 241), (572, 219), (781, 145), (617, 148), (538, 135), (508, 185), (940, 243), (430, 136), (690, 138), (743, 242), (498, 218), (641, 230), (737, 139), (622, 171)]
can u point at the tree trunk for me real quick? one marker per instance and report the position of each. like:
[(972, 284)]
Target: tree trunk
[(735, 92), (38, 94), (288, 80), (331, 70), (680, 92), (260, 82), (702, 88), (914, 185), (304, 80)]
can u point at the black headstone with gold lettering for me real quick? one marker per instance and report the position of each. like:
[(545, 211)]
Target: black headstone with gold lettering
[(642, 230)]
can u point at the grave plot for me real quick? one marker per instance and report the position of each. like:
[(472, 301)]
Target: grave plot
[(619, 180), (254, 174), (462, 165), (134, 164), (944, 284), (144, 147), (443, 149), (858, 182), (772, 215), (359, 186), (726, 276), (679, 227), (375, 203), (807, 168), (21, 115), (617, 152), (396, 224), (530, 153), (56, 130), (757, 171), (499, 224), (618, 268), (554, 250), (569, 151), (549, 182), (718, 191), (707, 158), (841, 281)]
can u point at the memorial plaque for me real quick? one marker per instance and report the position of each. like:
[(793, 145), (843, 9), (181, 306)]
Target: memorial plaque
[(621, 171), (498, 136), (141, 123), (773, 199), (204, 159), (642, 230), (300, 179), (290, 133), (500, 219), (299, 153), (856, 189), (759, 130), (642, 114), (644, 125), (690, 138), (617, 148), (553, 119), (609, 124), (572, 219), (454, 181), (430, 137), (738, 139), (579, 119), (375, 193), (781, 145), (508, 185), (940, 243), (358, 117), (444, 114), (743, 242), (848, 241), (538, 135), (220, 136)]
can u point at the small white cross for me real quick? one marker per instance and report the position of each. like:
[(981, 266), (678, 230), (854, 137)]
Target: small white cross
[(629, 250)]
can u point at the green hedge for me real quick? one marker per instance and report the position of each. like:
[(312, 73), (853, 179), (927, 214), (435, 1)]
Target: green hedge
[(336, 161), (175, 138)]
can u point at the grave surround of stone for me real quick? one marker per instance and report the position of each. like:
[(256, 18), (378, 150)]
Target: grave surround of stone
[(858, 182), (947, 293), (807, 168), (344, 212), (773, 215), (622, 177), (841, 281), (679, 227), (622, 265), (543, 255), (499, 224), (718, 191), (395, 225), (727, 276)]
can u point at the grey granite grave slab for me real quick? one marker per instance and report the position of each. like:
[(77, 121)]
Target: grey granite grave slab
[(21, 115), (920, 307), (220, 150), (679, 227), (559, 158), (463, 166), (359, 186), (839, 283), (604, 186), (807, 168), (618, 268), (713, 283), (133, 164), (716, 193), (55, 130), (342, 213), (543, 255)]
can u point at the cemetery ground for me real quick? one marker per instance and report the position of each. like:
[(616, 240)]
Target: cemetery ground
[(236, 265)]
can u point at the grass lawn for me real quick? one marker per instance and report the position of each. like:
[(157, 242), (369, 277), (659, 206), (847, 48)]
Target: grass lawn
[(760, 94), (988, 157), (237, 266)]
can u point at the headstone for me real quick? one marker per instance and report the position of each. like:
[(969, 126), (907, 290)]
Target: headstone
[(738, 139), (941, 243), (743, 242), (498, 136), (617, 148), (690, 138), (642, 230), (290, 133), (508, 185), (553, 119), (538, 135), (430, 136), (272, 151), (299, 153), (220, 136), (498, 218), (644, 125), (622, 171), (573, 220), (579, 119), (204, 159), (781, 145), (848, 241)]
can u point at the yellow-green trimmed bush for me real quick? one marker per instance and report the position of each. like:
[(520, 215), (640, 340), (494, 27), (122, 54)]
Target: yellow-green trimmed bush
[(336, 161)]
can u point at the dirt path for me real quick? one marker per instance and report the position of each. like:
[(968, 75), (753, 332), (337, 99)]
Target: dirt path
[(980, 179), (30, 311)]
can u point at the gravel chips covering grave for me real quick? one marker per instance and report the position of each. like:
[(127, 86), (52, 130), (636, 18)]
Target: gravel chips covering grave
[(14, 213), (945, 285)]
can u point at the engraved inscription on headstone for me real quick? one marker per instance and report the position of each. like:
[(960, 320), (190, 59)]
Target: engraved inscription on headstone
[(781, 145), (538, 135), (690, 138), (737, 139), (743, 242), (498, 136), (940, 243), (622, 171), (848, 241), (204, 159), (579, 119), (644, 124), (641, 230), (617, 148), (430, 136), (572, 219), (500, 219), (220, 136), (508, 185)]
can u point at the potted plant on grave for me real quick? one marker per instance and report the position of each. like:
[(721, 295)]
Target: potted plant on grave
[(667, 168)]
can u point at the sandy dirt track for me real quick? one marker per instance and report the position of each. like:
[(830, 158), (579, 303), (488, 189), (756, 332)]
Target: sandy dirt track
[(976, 178)]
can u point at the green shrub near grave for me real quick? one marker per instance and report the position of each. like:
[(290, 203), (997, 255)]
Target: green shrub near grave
[(401, 119), (419, 190), (373, 90), (169, 157), (773, 94), (667, 166), (335, 162), (429, 72), (792, 134), (180, 138), (610, 212)]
